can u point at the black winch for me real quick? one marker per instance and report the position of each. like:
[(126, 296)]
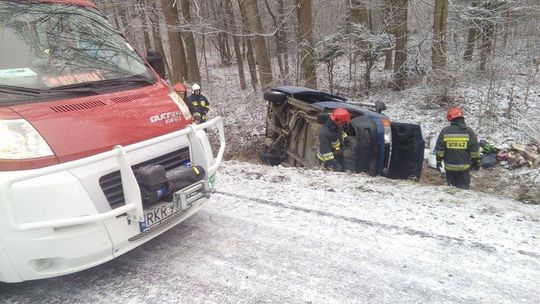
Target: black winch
[(157, 184)]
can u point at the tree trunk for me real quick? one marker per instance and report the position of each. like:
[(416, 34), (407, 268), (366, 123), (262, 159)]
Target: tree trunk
[(194, 74), (118, 18), (388, 28), (175, 43), (359, 13), (400, 8), (145, 26), (207, 72), (471, 41), (236, 44), (181, 50), (248, 46), (488, 32), (307, 49), (438, 49), (110, 13), (282, 48), (367, 76), (265, 70), (156, 34), (277, 37), (251, 63), (222, 48), (281, 39)]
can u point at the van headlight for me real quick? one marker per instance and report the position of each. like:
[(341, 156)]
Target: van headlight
[(387, 131), (19, 140), (181, 104)]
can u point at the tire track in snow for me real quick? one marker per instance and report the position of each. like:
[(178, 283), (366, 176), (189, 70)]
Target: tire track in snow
[(462, 241)]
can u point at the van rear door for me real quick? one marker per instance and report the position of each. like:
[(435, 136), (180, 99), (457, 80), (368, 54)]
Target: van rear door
[(407, 155)]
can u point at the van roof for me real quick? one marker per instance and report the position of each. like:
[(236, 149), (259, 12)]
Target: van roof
[(85, 3)]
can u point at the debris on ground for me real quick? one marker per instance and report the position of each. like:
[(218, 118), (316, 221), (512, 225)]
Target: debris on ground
[(521, 154)]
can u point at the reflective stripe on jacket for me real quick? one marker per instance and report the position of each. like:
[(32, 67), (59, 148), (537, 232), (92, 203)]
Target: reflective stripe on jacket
[(330, 141)]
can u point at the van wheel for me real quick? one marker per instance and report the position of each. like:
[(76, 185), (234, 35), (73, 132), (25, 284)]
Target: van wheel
[(275, 97)]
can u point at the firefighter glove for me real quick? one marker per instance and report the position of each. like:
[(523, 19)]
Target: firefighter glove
[(197, 117), (439, 165)]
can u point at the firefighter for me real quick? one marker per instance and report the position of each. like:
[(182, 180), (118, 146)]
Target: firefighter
[(181, 90), (331, 140), (199, 102), (458, 146)]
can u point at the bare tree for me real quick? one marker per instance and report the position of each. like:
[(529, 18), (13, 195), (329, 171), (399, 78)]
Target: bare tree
[(471, 41), (281, 47), (248, 46), (153, 8), (236, 44), (387, 27), (307, 49), (265, 70), (438, 49), (193, 74), (178, 59), (281, 38), (400, 9)]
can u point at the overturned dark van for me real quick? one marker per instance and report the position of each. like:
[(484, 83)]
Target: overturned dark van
[(378, 146)]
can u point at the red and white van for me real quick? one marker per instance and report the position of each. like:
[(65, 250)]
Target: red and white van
[(81, 115)]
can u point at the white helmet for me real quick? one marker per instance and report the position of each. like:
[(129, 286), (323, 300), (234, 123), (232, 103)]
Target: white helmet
[(195, 87)]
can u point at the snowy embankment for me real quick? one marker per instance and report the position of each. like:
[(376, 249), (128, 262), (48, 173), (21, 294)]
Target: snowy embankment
[(440, 212)]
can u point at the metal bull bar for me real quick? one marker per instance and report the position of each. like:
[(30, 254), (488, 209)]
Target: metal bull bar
[(133, 206)]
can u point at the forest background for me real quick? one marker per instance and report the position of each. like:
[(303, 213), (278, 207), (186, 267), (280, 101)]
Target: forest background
[(420, 57)]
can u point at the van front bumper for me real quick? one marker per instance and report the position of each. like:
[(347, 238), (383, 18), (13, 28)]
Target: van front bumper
[(51, 224)]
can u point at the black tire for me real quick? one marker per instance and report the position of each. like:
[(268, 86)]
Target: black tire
[(275, 97)]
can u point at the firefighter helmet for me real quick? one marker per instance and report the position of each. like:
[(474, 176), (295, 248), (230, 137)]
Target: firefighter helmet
[(195, 87), (454, 113), (180, 87), (340, 116)]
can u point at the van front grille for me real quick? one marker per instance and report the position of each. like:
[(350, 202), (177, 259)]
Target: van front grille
[(111, 183)]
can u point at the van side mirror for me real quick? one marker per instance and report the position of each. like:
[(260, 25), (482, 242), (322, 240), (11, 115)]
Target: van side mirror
[(156, 61)]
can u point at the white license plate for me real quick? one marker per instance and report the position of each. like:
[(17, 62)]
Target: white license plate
[(157, 215)]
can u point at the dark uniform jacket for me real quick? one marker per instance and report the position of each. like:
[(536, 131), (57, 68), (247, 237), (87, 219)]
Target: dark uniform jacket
[(457, 145), (331, 143), (198, 104)]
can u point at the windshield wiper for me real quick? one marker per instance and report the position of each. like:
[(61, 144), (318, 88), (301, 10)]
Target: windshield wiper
[(106, 82), (36, 92), (18, 90), (78, 88)]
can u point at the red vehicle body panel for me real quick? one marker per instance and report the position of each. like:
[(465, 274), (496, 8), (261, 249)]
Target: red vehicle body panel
[(84, 126), (79, 127)]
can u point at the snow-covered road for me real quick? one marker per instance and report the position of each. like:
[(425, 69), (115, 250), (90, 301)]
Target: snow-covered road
[(285, 235)]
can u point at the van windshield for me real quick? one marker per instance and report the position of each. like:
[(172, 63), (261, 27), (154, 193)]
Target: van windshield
[(48, 46)]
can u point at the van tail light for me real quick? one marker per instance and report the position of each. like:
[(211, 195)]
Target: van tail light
[(22, 147)]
